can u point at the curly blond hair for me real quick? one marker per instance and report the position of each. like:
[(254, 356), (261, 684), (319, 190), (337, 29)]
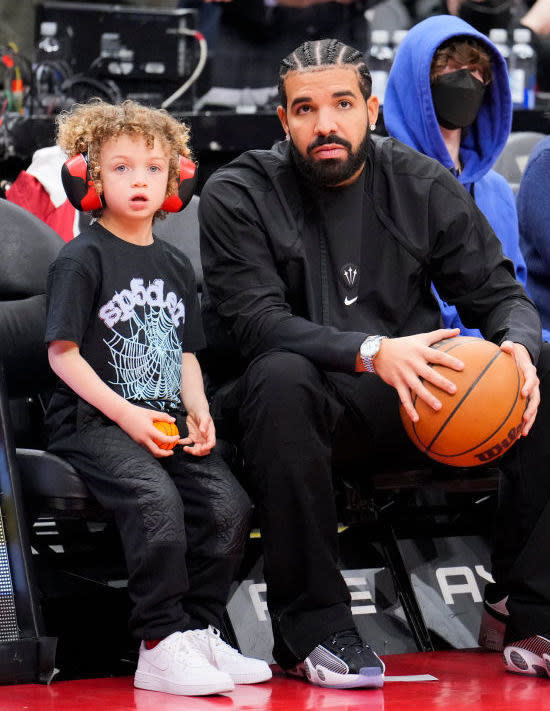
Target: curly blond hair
[(85, 127)]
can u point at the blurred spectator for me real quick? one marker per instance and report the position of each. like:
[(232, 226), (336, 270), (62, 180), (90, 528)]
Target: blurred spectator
[(39, 190), (537, 19), (534, 225), (485, 15), (254, 34), (448, 96)]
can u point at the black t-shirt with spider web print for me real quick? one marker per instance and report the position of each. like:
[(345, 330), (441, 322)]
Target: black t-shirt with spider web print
[(132, 310)]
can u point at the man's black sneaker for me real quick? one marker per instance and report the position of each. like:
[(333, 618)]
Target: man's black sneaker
[(343, 661)]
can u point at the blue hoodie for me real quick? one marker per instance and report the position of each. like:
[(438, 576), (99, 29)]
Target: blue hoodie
[(409, 116), (534, 224)]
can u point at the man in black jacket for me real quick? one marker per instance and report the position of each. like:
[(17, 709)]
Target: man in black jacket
[(318, 256)]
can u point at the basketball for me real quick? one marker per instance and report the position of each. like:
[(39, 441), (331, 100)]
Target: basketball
[(167, 428), (483, 418)]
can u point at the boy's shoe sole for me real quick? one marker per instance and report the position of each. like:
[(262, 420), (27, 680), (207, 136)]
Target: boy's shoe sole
[(155, 683)]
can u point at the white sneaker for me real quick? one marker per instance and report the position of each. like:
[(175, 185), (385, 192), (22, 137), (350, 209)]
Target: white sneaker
[(243, 670), (176, 666)]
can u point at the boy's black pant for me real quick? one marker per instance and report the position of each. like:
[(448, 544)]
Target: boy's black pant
[(183, 522), (296, 423)]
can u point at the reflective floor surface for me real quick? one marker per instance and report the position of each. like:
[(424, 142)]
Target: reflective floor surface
[(471, 679)]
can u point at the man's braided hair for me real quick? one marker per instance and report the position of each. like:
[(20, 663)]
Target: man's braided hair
[(320, 54)]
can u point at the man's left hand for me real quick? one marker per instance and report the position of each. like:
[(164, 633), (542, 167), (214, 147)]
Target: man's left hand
[(202, 433), (530, 388)]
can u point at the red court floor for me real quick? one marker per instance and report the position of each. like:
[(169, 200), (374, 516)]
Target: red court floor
[(471, 679)]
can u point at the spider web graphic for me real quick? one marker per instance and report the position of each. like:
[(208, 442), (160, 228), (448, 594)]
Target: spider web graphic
[(148, 362)]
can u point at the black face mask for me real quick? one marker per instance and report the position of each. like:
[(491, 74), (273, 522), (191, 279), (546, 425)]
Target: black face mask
[(457, 98), (486, 15)]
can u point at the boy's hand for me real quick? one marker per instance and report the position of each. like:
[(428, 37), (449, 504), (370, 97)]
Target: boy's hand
[(137, 422), (202, 434)]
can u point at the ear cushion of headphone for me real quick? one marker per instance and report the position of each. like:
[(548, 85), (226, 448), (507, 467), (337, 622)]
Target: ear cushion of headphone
[(79, 185), (186, 187)]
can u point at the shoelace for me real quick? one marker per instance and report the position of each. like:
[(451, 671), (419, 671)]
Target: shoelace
[(346, 639), (185, 651), (213, 635)]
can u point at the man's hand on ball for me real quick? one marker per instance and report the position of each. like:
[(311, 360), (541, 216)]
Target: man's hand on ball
[(405, 362), (530, 388)]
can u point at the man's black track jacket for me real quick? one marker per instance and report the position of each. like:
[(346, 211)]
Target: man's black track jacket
[(422, 226)]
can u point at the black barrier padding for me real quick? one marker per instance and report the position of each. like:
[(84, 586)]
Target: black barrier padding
[(27, 247)]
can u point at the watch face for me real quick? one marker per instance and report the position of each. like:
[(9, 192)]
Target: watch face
[(370, 347)]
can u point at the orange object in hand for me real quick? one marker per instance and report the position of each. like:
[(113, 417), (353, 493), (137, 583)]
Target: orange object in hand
[(167, 428)]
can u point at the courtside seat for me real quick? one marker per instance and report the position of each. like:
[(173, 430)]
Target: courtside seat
[(27, 248), (181, 229), (52, 484), (513, 160)]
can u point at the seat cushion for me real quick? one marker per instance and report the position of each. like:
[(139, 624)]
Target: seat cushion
[(45, 475)]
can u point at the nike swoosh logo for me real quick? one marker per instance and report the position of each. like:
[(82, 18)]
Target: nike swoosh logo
[(349, 302)]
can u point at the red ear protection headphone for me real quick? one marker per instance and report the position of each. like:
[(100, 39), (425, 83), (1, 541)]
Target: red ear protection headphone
[(80, 188)]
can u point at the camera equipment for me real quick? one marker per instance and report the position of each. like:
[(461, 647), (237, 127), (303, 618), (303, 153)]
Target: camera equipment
[(147, 52)]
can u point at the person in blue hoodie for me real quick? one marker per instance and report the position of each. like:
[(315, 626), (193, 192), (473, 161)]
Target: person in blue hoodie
[(462, 117)]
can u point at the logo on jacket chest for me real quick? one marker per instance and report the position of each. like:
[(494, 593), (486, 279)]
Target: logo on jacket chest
[(349, 274)]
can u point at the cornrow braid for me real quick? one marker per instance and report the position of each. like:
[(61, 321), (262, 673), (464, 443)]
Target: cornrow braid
[(324, 53)]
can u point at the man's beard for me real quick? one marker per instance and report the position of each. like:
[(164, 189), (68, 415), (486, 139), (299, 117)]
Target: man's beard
[(329, 172)]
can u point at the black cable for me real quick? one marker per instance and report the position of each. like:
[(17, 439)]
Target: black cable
[(81, 88)]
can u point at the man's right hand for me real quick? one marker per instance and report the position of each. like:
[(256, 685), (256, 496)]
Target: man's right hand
[(405, 362)]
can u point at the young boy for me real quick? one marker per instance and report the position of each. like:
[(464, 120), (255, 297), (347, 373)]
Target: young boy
[(123, 323)]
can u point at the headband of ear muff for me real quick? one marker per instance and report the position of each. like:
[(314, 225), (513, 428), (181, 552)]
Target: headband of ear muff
[(81, 192)]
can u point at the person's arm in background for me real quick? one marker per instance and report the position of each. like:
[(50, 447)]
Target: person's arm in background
[(534, 216), (537, 18), (534, 208)]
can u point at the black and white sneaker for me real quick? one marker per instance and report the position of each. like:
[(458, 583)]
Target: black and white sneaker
[(529, 656), (343, 661)]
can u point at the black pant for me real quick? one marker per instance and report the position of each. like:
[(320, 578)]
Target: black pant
[(520, 559), (296, 422), (183, 522)]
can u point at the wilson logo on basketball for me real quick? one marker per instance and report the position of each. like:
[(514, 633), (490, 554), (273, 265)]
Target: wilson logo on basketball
[(500, 448)]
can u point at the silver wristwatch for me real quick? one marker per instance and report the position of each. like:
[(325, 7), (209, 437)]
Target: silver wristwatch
[(368, 350)]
